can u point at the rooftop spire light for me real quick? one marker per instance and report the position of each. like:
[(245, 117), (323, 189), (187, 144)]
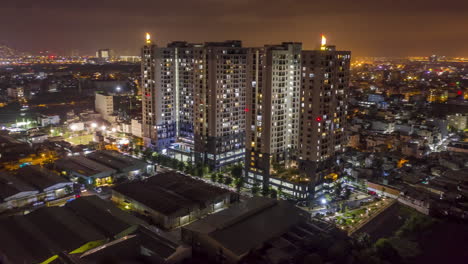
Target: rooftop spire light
[(323, 45), (148, 38)]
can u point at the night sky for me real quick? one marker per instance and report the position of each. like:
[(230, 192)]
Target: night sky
[(366, 27)]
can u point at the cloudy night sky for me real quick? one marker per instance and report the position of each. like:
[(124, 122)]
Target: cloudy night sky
[(366, 27)]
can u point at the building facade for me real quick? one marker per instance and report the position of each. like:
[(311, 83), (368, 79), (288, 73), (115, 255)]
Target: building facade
[(104, 104), (194, 100), (324, 106), (296, 119), (219, 113), (273, 110)]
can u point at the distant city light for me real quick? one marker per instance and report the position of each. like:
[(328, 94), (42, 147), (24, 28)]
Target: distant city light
[(124, 141)]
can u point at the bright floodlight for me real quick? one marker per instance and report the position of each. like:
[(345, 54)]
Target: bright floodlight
[(323, 201), (114, 129), (103, 128), (118, 88), (93, 125), (74, 127)]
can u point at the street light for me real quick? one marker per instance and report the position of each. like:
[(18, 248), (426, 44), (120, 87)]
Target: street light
[(118, 88), (114, 129), (323, 201), (103, 128), (93, 125)]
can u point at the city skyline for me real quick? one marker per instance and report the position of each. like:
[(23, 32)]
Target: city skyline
[(389, 28)]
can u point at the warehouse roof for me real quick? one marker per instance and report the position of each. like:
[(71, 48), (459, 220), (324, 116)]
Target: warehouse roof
[(48, 231), (83, 166), (39, 177), (259, 219), (11, 185), (171, 192), (103, 215), (114, 159)]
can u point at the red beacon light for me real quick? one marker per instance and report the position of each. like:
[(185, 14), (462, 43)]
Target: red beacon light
[(318, 119)]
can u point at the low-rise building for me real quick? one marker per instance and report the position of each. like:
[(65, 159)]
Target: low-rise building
[(13, 149), (231, 234), (142, 246), (461, 147), (382, 189), (48, 120), (38, 138), (137, 129), (82, 167), (15, 193), (124, 166), (104, 104), (171, 199), (80, 225), (30, 185), (458, 121)]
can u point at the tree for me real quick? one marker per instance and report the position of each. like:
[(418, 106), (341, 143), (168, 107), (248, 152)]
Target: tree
[(188, 169), (148, 154), (280, 192), (347, 193), (228, 181), (239, 183), (82, 180), (236, 171), (199, 170), (205, 170), (68, 189), (214, 177), (181, 166), (220, 178), (385, 250), (273, 194), (338, 189), (363, 240), (255, 188)]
